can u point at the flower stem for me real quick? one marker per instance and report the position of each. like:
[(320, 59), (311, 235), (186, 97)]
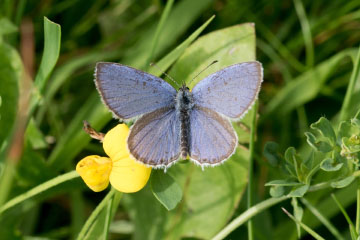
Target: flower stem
[(251, 163)]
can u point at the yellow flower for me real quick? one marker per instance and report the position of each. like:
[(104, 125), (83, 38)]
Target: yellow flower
[(122, 171)]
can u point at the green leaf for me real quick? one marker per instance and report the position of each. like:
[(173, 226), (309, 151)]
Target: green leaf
[(289, 154), (352, 144), (283, 183), (295, 161), (330, 165), (165, 189), (298, 191), (221, 186), (272, 153), (6, 27), (277, 191), (316, 144), (323, 126), (10, 74), (343, 182), (52, 35)]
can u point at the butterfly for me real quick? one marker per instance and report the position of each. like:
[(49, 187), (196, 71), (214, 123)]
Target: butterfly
[(175, 124)]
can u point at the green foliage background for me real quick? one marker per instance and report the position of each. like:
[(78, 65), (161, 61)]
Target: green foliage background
[(308, 50)]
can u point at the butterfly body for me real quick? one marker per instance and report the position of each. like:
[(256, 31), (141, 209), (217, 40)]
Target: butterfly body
[(176, 124), (184, 105)]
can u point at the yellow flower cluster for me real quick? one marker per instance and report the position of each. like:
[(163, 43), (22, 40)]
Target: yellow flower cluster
[(123, 172)]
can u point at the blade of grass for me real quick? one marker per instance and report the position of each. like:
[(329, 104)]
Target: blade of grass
[(77, 213), (170, 58), (305, 87), (52, 35), (322, 219), (272, 39), (90, 221), (305, 227), (349, 92), (155, 41), (38, 189), (351, 224), (248, 214), (108, 218), (306, 30)]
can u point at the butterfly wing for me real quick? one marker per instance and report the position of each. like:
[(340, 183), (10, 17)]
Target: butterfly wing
[(155, 138), (212, 137), (129, 92), (230, 91)]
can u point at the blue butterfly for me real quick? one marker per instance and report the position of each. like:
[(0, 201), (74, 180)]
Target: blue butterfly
[(176, 124)]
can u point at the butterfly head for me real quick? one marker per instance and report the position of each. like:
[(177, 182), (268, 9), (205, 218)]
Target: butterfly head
[(184, 99)]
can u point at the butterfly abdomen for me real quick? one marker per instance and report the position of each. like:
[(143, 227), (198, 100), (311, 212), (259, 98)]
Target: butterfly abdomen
[(184, 105), (185, 133)]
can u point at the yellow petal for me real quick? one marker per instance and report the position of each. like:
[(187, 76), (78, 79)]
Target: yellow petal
[(129, 176), (95, 171), (115, 144)]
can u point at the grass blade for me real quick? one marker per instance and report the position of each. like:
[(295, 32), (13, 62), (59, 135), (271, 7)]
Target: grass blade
[(159, 29), (38, 189), (248, 214), (94, 215), (52, 35), (306, 30), (351, 224), (322, 219), (349, 92), (305, 227)]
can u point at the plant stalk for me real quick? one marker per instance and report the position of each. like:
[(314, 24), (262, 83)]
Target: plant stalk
[(248, 214), (357, 224), (251, 170)]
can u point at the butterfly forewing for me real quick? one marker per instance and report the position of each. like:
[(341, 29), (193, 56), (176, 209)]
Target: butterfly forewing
[(129, 92), (230, 91), (212, 138), (155, 138)]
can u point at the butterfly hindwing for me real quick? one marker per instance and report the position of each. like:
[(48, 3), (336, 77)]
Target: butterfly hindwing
[(230, 91), (155, 138), (212, 138), (129, 92)]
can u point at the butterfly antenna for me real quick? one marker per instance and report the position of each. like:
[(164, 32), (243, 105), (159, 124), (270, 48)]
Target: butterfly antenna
[(203, 70), (154, 65)]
